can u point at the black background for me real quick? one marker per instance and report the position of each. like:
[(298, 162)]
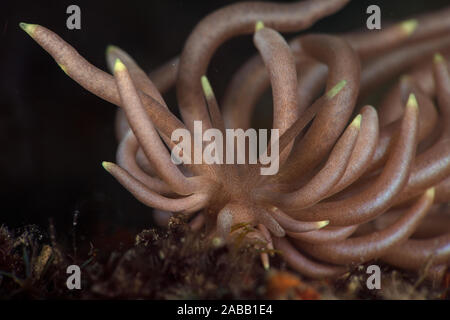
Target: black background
[(54, 134)]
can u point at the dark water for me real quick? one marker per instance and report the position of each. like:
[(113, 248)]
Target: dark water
[(54, 134)]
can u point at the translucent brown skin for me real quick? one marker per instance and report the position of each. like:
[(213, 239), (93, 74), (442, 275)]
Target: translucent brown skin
[(251, 80), (153, 199), (289, 135), (327, 235), (372, 201), (141, 80), (96, 80), (329, 175), (165, 76), (280, 64), (248, 84), (391, 107), (362, 154), (443, 191), (423, 76), (223, 172), (376, 244), (424, 72), (428, 167), (204, 192), (367, 45), (292, 225), (147, 136), (330, 122), (149, 139), (304, 265), (102, 84), (235, 207), (427, 122), (121, 125), (415, 253), (126, 158), (311, 76), (384, 68), (144, 83), (431, 251), (379, 42), (163, 79), (433, 165), (233, 20), (437, 221), (432, 25)]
